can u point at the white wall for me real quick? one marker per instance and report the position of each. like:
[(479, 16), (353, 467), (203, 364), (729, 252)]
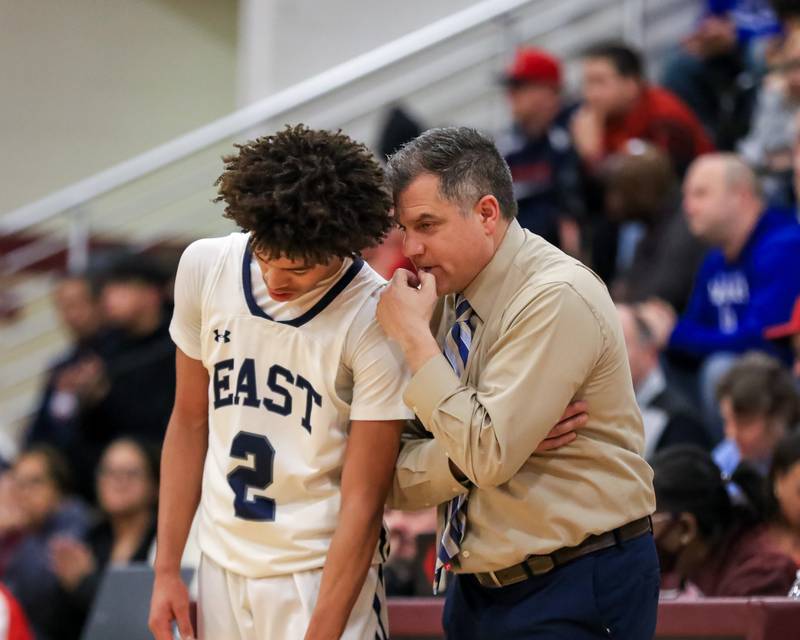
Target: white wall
[(284, 41), (85, 84)]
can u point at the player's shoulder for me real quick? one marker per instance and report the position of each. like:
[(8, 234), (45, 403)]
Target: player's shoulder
[(204, 256), (206, 249), (363, 286), (367, 275), (369, 285)]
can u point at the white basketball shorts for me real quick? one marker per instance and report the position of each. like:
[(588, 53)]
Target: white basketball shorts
[(232, 607)]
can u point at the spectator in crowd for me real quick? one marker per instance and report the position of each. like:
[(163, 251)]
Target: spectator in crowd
[(641, 189), (12, 518), (42, 480), (138, 360), (56, 421), (784, 496), (545, 168), (716, 70), (707, 543), (759, 405), (410, 568), (133, 298), (788, 14), (768, 146), (668, 417), (788, 334), (398, 128), (127, 491), (747, 282), (619, 105)]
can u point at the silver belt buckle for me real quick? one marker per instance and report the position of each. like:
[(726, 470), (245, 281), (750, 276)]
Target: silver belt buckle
[(495, 581)]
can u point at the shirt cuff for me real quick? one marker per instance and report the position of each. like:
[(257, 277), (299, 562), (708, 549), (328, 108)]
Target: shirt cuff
[(433, 382), (423, 477), (441, 476)]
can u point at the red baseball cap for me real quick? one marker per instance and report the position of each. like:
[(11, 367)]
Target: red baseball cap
[(787, 329), (534, 66)]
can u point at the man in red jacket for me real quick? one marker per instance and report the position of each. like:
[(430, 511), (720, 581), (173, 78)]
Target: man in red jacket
[(619, 106)]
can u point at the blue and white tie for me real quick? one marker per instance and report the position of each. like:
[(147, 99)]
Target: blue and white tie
[(458, 340), (457, 344)]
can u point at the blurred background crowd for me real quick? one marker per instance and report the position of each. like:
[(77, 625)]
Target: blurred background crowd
[(680, 191)]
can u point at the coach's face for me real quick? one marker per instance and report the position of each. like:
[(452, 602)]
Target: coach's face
[(453, 243)]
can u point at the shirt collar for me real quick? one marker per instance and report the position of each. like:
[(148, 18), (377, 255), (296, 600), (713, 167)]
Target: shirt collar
[(485, 287), (650, 387)]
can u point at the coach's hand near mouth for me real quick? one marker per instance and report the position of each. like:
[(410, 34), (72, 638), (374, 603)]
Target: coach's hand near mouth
[(405, 311)]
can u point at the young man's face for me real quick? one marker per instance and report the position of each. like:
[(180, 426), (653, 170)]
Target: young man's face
[(606, 90), (125, 302), (534, 105), (289, 279), (439, 238), (79, 310), (754, 435)]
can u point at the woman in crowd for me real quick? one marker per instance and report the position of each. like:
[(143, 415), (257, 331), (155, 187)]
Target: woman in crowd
[(127, 491), (42, 484), (784, 499), (708, 541)]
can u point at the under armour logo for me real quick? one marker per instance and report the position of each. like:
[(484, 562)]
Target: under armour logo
[(222, 336)]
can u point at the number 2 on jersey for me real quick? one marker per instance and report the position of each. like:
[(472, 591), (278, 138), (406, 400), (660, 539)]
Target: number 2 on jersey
[(258, 477)]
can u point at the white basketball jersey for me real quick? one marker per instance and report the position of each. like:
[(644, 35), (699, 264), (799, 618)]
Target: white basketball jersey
[(277, 427)]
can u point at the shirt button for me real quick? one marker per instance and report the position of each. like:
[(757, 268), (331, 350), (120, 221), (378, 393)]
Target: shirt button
[(465, 554)]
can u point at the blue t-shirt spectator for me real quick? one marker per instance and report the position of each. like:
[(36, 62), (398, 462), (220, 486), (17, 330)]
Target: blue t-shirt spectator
[(732, 302), (753, 18)]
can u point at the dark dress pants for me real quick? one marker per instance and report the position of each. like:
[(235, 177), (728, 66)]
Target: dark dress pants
[(611, 593)]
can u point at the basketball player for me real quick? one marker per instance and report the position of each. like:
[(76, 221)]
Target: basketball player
[(288, 408), (290, 394)]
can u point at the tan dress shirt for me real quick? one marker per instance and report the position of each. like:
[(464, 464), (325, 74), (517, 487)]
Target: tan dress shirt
[(548, 333)]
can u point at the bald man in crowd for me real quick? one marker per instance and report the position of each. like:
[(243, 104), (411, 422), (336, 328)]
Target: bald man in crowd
[(748, 281)]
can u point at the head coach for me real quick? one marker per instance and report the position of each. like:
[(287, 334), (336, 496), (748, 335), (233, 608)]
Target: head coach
[(502, 331)]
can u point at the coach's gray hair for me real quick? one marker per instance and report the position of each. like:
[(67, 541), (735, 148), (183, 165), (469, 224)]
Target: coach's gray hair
[(466, 162)]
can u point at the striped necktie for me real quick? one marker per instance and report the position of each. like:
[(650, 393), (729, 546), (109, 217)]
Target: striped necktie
[(457, 344), (458, 340)]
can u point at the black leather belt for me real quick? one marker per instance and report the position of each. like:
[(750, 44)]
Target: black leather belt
[(539, 565)]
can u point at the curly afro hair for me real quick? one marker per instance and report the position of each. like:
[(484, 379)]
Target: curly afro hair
[(306, 195)]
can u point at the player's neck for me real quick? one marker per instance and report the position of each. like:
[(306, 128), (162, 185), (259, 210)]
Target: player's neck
[(326, 280), (334, 266)]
